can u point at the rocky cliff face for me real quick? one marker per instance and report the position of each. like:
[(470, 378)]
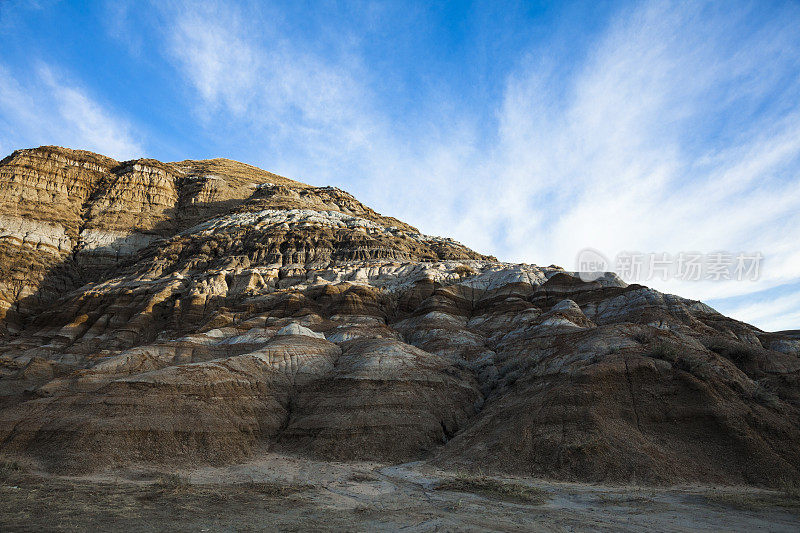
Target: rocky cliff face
[(204, 311)]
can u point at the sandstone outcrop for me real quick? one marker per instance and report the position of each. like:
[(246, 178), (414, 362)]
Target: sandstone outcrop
[(205, 311)]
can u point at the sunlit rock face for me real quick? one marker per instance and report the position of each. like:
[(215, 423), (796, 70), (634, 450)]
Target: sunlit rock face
[(207, 311)]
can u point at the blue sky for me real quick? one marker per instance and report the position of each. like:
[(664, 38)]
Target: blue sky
[(528, 130)]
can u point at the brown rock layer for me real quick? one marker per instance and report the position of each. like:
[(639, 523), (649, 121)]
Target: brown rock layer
[(202, 311)]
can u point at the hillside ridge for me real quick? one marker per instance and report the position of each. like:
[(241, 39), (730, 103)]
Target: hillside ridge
[(202, 312)]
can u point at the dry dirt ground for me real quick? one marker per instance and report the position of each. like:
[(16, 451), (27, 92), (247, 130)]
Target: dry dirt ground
[(282, 492)]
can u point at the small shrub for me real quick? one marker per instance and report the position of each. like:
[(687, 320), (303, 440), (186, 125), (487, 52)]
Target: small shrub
[(613, 350), (512, 377), (462, 364), (786, 498), (172, 483), (790, 490), (362, 477), (765, 397), (9, 470), (664, 351), (464, 271), (740, 354), (493, 488), (266, 488), (507, 369)]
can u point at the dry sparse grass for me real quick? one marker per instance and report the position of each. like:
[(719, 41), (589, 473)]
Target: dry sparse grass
[(175, 485), (167, 485), (663, 350), (790, 490), (38, 503), (494, 488), (10, 471), (464, 271), (271, 489), (631, 501), (786, 498), (362, 477), (173, 482)]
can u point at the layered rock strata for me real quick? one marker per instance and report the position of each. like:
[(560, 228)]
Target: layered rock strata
[(206, 311)]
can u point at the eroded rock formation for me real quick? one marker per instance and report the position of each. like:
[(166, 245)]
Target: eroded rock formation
[(205, 311)]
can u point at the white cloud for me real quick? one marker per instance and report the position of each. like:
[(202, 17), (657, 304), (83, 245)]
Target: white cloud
[(771, 314), (244, 70), (607, 157), (42, 107), (670, 136)]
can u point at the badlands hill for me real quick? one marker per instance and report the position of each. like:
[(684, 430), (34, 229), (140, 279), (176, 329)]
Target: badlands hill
[(206, 311)]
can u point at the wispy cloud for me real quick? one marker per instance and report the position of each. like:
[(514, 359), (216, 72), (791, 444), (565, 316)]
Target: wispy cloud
[(246, 71), (43, 107), (677, 130), (770, 313), (650, 146)]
